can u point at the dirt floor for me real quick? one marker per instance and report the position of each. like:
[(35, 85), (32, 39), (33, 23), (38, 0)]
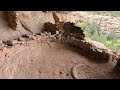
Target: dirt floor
[(43, 58)]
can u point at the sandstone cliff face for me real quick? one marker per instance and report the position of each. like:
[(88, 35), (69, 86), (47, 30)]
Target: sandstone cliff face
[(12, 19), (42, 56), (36, 19), (33, 19)]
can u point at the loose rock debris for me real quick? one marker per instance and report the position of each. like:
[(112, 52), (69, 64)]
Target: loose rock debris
[(8, 43)]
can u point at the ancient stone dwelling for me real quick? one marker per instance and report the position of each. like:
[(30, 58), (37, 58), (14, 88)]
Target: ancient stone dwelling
[(47, 45)]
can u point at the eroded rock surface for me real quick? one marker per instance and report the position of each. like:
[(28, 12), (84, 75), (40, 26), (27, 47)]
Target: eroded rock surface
[(12, 19), (43, 58), (40, 56)]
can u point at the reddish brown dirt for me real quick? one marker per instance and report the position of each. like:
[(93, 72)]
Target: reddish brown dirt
[(42, 59)]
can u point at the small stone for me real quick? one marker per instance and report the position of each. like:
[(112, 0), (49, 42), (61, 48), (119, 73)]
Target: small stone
[(23, 43), (43, 34), (16, 42), (34, 34), (38, 34), (4, 42), (9, 43), (58, 36), (21, 39), (52, 38), (49, 33), (60, 72), (1, 44), (32, 37), (57, 32), (38, 37), (67, 74), (25, 36)]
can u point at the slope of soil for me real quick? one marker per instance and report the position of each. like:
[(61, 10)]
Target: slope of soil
[(43, 59)]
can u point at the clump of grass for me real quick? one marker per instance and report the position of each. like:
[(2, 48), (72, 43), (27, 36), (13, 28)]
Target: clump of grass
[(93, 31)]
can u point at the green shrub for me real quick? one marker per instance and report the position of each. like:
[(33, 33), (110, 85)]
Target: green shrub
[(107, 13), (93, 31)]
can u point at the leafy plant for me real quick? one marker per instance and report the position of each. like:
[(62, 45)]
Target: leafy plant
[(93, 31), (107, 13)]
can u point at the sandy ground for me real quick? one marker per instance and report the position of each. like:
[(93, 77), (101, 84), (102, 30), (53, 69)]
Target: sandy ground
[(42, 59)]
